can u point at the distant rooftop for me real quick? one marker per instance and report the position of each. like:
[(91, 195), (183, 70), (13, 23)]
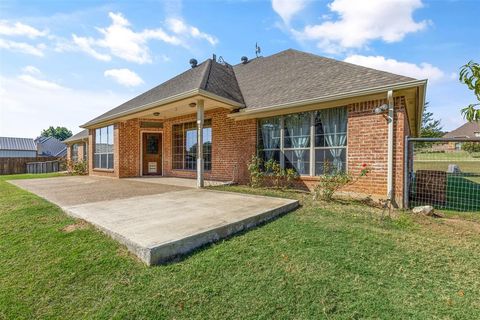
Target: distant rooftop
[(24, 144)]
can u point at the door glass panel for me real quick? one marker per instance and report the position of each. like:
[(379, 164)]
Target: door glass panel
[(152, 144)]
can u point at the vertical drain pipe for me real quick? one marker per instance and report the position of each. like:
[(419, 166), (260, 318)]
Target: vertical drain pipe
[(390, 193)]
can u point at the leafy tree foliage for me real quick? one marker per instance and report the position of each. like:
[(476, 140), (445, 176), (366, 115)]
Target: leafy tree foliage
[(470, 76), (61, 133), (431, 128)]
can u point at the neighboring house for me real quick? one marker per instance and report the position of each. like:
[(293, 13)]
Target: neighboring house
[(468, 130), (77, 146), (50, 147), (300, 109), (17, 148)]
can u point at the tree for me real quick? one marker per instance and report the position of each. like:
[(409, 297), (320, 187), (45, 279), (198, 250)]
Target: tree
[(431, 128), (61, 133), (470, 76)]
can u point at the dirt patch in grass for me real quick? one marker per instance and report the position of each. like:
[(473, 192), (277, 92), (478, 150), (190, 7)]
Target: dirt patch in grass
[(78, 225)]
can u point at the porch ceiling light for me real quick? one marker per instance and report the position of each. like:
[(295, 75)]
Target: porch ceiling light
[(156, 114), (192, 105)]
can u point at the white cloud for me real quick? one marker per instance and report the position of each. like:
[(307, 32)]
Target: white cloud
[(120, 40), (85, 45), (26, 108), (39, 83), (124, 77), (179, 27), (31, 70), (420, 71), (359, 22), (286, 9), (19, 29), (23, 47)]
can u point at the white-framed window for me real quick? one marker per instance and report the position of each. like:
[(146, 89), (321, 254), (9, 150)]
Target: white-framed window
[(313, 143), (184, 145), (103, 152)]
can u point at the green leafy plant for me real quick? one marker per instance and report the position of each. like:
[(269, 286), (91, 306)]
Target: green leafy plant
[(470, 76), (78, 167), (255, 171), (263, 173), (471, 147), (335, 180)]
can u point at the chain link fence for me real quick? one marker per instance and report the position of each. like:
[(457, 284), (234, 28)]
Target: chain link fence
[(444, 173)]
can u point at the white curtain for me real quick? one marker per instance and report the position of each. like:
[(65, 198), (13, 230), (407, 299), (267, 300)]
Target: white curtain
[(270, 135), (334, 122), (298, 128)]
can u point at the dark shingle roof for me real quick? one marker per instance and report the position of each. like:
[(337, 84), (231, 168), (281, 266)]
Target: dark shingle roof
[(79, 136), (466, 130), (209, 76), (285, 77), (24, 144), (50, 146), (292, 75)]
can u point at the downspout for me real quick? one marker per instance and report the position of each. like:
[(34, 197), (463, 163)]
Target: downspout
[(390, 193)]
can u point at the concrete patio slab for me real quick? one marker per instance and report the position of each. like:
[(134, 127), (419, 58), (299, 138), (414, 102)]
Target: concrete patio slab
[(161, 226)]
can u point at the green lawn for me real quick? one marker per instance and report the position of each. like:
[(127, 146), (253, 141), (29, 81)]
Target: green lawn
[(465, 166), (322, 261)]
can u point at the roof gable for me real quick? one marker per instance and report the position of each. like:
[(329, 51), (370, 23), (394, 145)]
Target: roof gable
[(467, 130), (78, 136), (209, 76)]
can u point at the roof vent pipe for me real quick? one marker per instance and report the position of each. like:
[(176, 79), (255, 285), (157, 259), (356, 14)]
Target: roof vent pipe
[(193, 62), (214, 57), (244, 59)]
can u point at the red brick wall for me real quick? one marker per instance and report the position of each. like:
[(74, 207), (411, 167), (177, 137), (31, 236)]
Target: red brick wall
[(367, 143), (233, 144)]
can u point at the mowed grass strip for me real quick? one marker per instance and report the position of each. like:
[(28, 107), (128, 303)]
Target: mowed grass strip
[(327, 261)]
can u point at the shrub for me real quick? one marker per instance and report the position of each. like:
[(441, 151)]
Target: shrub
[(335, 180), (270, 172), (255, 171), (471, 147), (78, 167)]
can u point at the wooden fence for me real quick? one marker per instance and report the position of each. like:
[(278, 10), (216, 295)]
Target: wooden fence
[(43, 167), (19, 165)]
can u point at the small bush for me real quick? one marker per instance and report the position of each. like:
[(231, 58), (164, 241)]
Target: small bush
[(78, 167), (263, 173), (471, 147), (330, 183)]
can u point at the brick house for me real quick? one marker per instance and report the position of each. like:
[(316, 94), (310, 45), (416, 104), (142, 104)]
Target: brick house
[(77, 146), (300, 109)]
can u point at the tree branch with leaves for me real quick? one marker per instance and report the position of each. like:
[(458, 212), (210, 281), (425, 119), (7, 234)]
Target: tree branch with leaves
[(470, 76)]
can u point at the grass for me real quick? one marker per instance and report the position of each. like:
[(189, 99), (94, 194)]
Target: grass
[(465, 166), (337, 260), (456, 155)]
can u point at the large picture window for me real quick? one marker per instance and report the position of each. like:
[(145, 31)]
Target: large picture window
[(103, 153), (312, 143), (184, 145)]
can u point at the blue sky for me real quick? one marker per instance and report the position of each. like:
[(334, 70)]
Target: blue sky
[(65, 62)]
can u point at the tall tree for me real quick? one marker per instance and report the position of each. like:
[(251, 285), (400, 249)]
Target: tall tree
[(431, 128), (470, 76), (61, 133)]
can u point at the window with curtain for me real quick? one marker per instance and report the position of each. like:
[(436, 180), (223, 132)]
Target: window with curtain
[(103, 152), (319, 137), (269, 139), (330, 140), (184, 145), (297, 142), (74, 152)]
